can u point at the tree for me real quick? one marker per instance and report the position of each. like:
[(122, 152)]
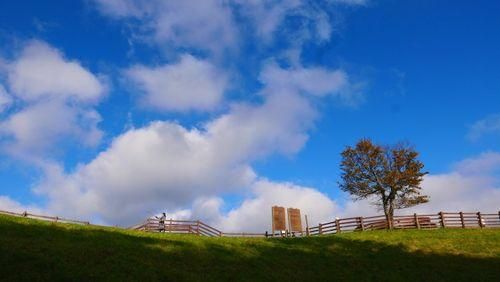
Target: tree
[(389, 175)]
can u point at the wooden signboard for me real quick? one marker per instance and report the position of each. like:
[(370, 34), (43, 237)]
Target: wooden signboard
[(279, 221), (294, 220)]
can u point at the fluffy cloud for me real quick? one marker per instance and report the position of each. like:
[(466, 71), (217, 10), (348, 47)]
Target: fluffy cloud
[(190, 84), (42, 72), (205, 24), (316, 81), (211, 25), (56, 97), (39, 126), (488, 125), (254, 214), (5, 99), (267, 16), (165, 165)]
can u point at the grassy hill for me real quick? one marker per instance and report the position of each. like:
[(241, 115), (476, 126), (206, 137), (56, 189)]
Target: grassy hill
[(35, 250)]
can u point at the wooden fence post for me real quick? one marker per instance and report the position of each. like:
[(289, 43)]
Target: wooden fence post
[(462, 219), (198, 227), (480, 220), (417, 223), (337, 225), (307, 226), (320, 229), (361, 223), (441, 217)]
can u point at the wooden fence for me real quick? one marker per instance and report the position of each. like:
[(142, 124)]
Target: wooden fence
[(188, 227), (420, 221), (179, 226), (45, 217)]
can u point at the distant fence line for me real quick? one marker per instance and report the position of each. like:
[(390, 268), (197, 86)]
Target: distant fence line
[(339, 225), (415, 221), (45, 217)]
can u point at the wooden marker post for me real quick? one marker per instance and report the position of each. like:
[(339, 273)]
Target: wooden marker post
[(278, 217), (294, 220)]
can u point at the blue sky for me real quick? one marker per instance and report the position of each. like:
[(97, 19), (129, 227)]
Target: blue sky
[(254, 99)]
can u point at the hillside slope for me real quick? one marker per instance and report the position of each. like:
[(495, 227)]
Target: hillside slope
[(35, 250)]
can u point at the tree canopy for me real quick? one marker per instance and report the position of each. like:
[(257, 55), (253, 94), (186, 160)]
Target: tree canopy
[(388, 175)]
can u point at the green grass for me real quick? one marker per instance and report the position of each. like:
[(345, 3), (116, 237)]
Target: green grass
[(33, 250)]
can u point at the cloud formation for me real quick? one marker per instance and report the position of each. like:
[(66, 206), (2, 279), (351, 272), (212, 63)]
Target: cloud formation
[(205, 24), (5, 99), (217, 25), (488, 125), (167, 166), (42, 72), (55, 96), (190, 84)]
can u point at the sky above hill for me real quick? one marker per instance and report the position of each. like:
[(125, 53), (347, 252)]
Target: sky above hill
[(114, 110)]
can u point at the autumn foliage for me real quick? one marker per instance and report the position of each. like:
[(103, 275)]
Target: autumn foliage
[(390, 176)]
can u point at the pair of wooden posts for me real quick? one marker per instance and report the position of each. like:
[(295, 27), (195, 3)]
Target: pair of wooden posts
[(294, 220)]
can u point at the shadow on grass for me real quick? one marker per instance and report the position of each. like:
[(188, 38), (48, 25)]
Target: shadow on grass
[(51, 252)]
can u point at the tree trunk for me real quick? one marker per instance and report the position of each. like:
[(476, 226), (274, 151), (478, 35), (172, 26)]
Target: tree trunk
[(389, 213)]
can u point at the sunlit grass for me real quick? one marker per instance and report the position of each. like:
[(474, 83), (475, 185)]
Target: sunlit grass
[(36, 250)]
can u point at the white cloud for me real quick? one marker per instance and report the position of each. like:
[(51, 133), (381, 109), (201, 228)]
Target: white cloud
[(190, 84), (316, 81), (55, 102), (42, 72), (488, 125), (7, 204), (38, 126), (267, 16), (206, 25), (211, 25), (254, 213), (5, 99), (165, 165)]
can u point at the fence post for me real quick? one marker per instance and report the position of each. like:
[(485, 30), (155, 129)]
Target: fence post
[(307, 226), (361, 223), (198, 227), (480, 219), (441, 217), (337, 225), (417, 223), (320, 229), (462, 219), (56, 219)]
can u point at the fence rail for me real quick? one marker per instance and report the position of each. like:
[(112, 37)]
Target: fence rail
[(45, 217), (189, 227), (415, 221)]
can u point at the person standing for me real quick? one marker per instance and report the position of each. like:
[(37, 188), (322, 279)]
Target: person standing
[(161, 222)]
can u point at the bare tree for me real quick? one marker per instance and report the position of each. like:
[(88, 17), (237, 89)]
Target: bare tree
[(389, 175)]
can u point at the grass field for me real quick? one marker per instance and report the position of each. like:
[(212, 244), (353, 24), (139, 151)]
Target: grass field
[(33, 250)]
